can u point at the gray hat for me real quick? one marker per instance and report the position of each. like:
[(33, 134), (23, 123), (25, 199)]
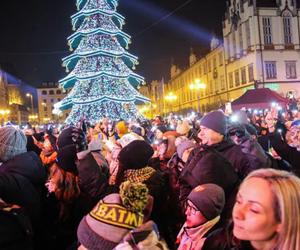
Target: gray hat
[(12, 142), (184, 145), (216, 121), (209, 199)]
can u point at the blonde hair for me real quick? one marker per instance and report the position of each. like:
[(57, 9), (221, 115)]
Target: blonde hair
[(285, 188)]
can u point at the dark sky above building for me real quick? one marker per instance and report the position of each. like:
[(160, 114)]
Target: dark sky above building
[(34, 32)]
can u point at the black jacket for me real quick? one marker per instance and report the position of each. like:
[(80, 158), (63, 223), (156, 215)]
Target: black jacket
[(21, 182), (285, 151), (207, 165)]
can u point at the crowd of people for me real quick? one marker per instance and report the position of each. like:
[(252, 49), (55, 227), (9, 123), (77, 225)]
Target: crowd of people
[(213, 182)]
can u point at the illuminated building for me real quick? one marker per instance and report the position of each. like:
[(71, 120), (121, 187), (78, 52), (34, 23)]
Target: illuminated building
[(48, 94), (260, 48)]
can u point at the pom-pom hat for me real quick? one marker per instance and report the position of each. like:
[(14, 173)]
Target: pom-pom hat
[(113, 217)]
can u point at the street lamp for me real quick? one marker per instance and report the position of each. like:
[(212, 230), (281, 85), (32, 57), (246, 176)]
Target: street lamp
[(198, 85), (170, 97), (31, 99)]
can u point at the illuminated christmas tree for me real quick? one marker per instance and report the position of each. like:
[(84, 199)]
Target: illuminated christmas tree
[(100, 79)]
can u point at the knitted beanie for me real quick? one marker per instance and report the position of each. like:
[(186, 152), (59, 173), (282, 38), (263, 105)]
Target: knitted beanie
[(12, 142), (216, 121), (67, 157), (183, 146), (72, 136), (183, 127), (209, 199), (135, 155), (113, 217)]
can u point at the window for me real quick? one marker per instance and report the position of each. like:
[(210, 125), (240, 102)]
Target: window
[(58, 92), (290, 68), (267, 30), (271, 71), (230, 78), (52, 100), (241, 44), (45, 109), (220, 58), (287, 28), (233, 44), (44, 92), (250, 72), (237, 78), (51, 92), (243, 75), (248, 34), (222, 81), (211, 87), (214, 62), (45, 101)]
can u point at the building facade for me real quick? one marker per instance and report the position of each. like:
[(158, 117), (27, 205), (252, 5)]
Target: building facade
[(260, 48), (48, 94)]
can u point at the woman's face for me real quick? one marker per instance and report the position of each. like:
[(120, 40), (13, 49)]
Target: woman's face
[(253, 213)]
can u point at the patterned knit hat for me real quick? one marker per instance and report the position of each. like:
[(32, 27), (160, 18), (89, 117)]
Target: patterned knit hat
[(12, 142), (113, 217)]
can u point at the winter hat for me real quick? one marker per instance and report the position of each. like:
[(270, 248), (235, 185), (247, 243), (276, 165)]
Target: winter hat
[(216, 121), (135, 155), (122, 128), (128, 138), (183, 127), (12, 142), (183, 146), (72, 136), (113, 217), (162, 128), (209, 199), (67, 157)]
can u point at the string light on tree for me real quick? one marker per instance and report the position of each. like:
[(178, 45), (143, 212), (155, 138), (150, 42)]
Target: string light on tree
[(101, 76)]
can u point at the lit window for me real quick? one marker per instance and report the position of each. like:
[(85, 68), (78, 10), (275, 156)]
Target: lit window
[(250, 73)]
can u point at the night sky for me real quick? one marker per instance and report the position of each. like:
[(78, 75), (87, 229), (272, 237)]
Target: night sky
[(34, 32)]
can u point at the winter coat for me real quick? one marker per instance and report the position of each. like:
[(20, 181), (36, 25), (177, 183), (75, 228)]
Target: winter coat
[(21, 182), (242, 162), (223, 239), (285, 151), (194, 238), (15, 228), (207, 165), (252, 147), (145, 237), (93, 173)]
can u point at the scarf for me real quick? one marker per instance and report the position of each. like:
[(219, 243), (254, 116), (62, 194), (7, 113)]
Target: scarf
[(193, 238), (138, 175)]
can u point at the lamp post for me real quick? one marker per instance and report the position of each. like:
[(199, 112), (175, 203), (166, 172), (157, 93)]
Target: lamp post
[(171, 97), (198, 85), (31, 99)]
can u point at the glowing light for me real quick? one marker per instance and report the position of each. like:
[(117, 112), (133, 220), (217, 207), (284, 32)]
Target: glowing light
[(101, 79)]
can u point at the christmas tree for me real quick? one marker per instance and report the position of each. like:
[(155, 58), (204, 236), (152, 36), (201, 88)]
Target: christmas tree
[(101, 80)]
